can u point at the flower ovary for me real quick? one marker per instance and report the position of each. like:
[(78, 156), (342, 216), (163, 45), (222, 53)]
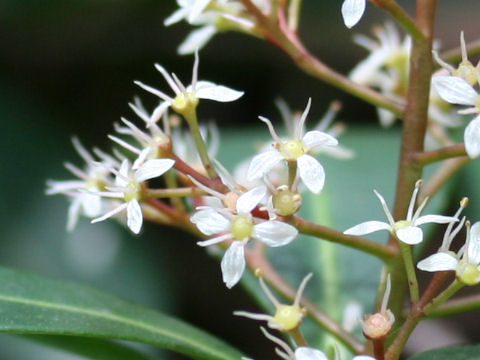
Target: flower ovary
[(288, 317), (242, 227), (468, 273)]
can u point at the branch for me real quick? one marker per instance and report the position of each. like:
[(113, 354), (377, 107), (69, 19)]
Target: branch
[(309, 228), (429, 157)]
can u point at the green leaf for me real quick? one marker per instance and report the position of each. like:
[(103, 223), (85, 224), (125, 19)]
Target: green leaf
[(470, 352), (88, 348), (32, 304)]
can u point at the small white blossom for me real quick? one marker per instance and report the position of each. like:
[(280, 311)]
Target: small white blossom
[(352, 11), (127, 187), (286, 317), (93, 177), (456, 90), (407, 230), (298, 149), (240, 226), (186, 97)]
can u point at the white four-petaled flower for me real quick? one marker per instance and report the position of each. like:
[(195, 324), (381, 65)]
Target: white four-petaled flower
[(298, 149), (407, 230), (456, 90), (240, 226), (186, 97), (128, 187)]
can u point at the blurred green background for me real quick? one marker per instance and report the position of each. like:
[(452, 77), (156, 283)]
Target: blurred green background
[(67, 67)]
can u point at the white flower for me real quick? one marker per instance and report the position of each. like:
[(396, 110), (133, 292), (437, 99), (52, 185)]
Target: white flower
[(189, 10), (465, 69), (303, 352), (456, 90), (407, 230), (186, 98), (240, 226), (286, 317), (352, 11), (466, 263), (128, 187), (296, 149), (94, 177)]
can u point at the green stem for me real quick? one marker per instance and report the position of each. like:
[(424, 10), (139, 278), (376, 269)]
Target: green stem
[(399, 14), (456, 306), (192, 121), (410, 270), (297, 335), (444, 296), (309, 228)]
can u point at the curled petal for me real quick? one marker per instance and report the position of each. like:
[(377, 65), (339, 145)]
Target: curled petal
[(153, 168), (233, 264), (441, 261), (308, 353), (247, 201), (438, 219), (473, 250), (177, 16), (454, 90), (262, 163), (275, 233), (472, 138), (410, 235), (196, 40), (197, 9), (314, 140), (211, 91), (210, 221), (311, 173), (352, 11), (367, 228), (134, 216)]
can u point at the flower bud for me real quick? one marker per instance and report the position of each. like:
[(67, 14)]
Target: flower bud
[(377, 326)]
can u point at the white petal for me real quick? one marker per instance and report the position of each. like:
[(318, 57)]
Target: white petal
[(196, 39), (134, 216), (438, 262), (73, 214), (91, 204), (315, 139), (311, 173), (275, 233), (410, 235), (122, 178), (247, 201), (197, 9), (454, 90), (177, 16), (233, 264), (262, 163), (473, 250), (472, 138), (211, 91), (140, 160), (307, 353), (153, 168), (158, 112), (438, 219), (210, 222), (352, 11), (363, 357), (367, 228)]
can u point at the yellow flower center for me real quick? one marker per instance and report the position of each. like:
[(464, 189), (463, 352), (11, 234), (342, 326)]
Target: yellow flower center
[(184, 103), (242, 227), (288, 317), (286, 202), (467, 72), (468, 273), (134, 193), (400, 225), (292, 149)]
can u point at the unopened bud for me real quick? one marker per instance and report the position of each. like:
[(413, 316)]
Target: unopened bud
[(377, 326)]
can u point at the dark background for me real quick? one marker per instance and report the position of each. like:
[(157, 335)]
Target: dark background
[(67, 67)]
